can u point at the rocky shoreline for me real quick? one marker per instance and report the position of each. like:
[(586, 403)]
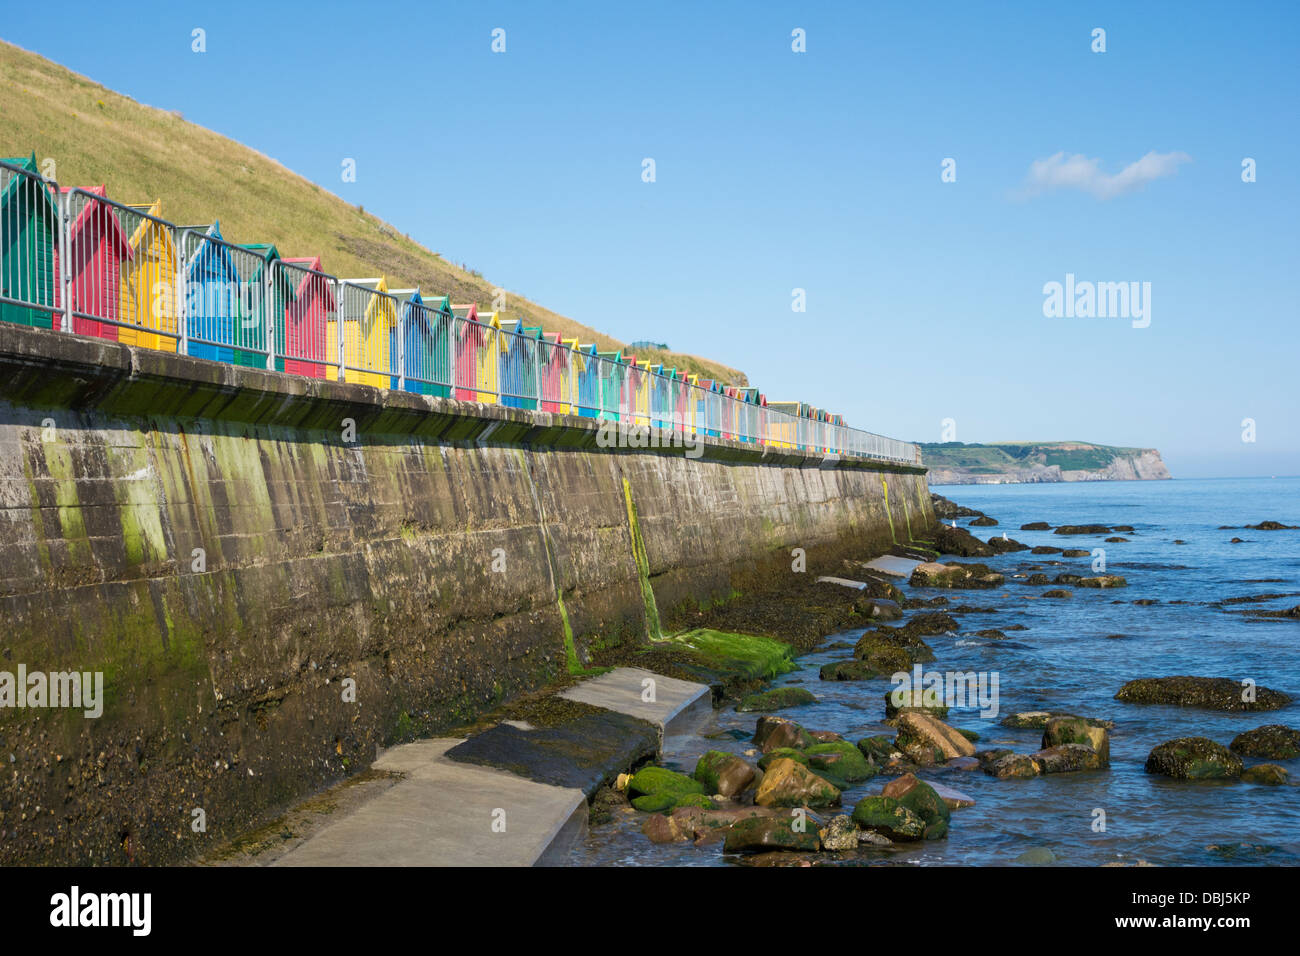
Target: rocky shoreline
[(780, 802)]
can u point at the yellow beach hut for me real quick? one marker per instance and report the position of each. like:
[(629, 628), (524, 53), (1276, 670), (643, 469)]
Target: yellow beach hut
[(148, 286)]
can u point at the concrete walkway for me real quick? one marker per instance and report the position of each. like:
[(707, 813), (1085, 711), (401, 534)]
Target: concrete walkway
[(894, 566), (450, 812)]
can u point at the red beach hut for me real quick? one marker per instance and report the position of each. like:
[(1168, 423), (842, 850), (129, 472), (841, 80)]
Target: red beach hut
[(97, 251)]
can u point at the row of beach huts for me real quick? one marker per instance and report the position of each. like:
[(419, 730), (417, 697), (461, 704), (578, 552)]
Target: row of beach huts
[(77, 260)]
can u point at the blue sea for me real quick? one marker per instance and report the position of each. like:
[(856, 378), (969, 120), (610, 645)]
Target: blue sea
[(1073, 656)]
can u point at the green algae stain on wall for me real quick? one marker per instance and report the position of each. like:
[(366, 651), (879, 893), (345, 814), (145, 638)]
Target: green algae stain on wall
[(642, 567), (892, 534)]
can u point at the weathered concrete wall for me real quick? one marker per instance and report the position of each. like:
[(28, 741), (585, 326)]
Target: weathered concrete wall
[(325, 561)]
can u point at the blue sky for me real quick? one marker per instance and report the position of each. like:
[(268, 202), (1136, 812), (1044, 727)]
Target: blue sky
[(820, 170)]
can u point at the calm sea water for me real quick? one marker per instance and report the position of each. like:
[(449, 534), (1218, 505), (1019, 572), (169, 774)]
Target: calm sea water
[(1067, 660)]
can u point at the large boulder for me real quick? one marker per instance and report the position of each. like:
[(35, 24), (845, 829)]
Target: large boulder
[(723, 773), (758, 834), (879, 609), (1082, 529), (766, 760), (888, 652), (1012, 766), (930, 623), (1037, 720), (927, 740), (877, 749), (1273, 741), (932, 574), (923, 800), (842, 759), (772, 733), (1194, 758), (1068, 758), (787, 783), (778, 698), (984, 521), (848, 670), (959, 541), (889, 817), (1076, 730), (899, 701), (1210, 693)]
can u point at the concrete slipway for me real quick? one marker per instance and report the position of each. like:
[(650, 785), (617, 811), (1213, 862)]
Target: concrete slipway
[(513, 795)]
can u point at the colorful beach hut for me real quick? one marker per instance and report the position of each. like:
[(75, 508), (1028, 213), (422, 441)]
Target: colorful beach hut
[(586, 371), (98, 251), (368, 315), (213, 306), (519, 362), (265, 294), (148, 286), (29, 231), (301, 338), (425, 327), (553, 372), (613, 375), (478, 347)]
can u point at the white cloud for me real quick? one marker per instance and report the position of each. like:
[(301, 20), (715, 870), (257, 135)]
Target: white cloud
[(1084, 174)]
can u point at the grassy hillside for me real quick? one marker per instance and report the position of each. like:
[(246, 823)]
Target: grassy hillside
[(97, 136), (1001, 456)]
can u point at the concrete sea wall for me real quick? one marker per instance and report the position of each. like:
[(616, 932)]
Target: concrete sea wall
[(275, 575)]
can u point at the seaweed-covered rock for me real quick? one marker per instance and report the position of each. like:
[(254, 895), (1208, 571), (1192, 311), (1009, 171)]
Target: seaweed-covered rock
[(840, 834), (1036, 526), (656, 802), (1005, 545), (655, 780), (900, 701), (1271, 526), (842, 759), (888, 816), (955, 575), (984, 521), (1057, 593), (1076, 553), (771, 733), (877, 749), (1037, 720), (930, 623), (723, 773), (848, 670), (1265, 773), (1076, 730), (1194, 758), (1082, 529), (1272, 741), (1210, 693), (1102, 581), (879, 609), (959, 541), (1045, 549), (757, 834), (787, 783), (1068, 758), (888, 651), (778, 698), (923, 800), (1038, 580)]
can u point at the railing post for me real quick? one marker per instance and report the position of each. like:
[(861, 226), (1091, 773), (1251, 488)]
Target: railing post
[(268, 309), (401, 347), (341, 288), (64, 278), (182, 297)]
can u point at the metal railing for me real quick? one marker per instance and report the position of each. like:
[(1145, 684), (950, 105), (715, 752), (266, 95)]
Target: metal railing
[(80, 262)]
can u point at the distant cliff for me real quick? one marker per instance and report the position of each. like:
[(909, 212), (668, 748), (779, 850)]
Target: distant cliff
[(955, 463)]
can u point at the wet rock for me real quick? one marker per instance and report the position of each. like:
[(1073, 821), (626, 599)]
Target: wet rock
[(1179, 541), (1146, 602), (656, 802), (1065, 577), (1068, 758), (1037, 720), (931, 622), (1005, 545), (1292, 613), (1194, 758), (840, 834), (878, 749), (776, 699), (1082, 529), (1013, 765), (1123, 528), (758, 834), (888, 817), (825, 736), (878, 609), (1237, 541), (984, 521), (787, 783), (1036, 526), (848, 670), (991, 633), (771, 733), (1103, 581), (1057, 593), (947, 509), (956, 576), (1273, 741), (1038, 580), (923, 800), (959, 541), (1076, 730), (1266, 773), (900, 788), (665, 829), (963, 763), (888, 650), (928, 740), (1076, 553), (1210, 693), (842, 759), (1116, 540), (1272, 526), (723, 773), (1037, 856), (1045, 549)]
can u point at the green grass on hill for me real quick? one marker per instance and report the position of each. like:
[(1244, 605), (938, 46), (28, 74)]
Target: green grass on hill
[(997, 456), (140, 153)]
